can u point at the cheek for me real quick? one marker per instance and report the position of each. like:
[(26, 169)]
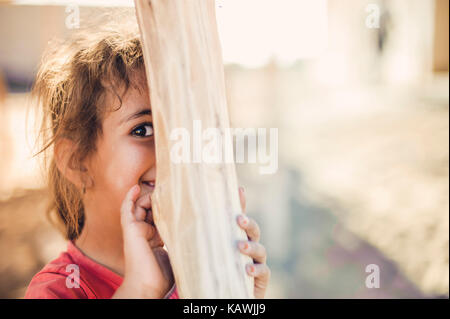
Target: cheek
[(129, 162)]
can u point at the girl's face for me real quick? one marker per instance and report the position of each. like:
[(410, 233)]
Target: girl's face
[(125, 156)]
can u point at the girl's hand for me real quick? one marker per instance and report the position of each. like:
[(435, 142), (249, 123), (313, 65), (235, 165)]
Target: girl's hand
[(150, 276), (259, 270), (147, 268)]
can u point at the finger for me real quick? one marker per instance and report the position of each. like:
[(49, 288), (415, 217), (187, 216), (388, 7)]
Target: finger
[(250, 226), (149, 230), (259, 271), (140, 213), (254, 250), (156, 240), (162, 257), (242, 199), (261, 274), (149, 217), (144, 201), (128, 204)]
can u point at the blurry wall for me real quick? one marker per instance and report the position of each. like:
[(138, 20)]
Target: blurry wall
[(24, 32)]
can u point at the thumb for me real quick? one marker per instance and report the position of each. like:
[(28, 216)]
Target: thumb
[(126, 211)]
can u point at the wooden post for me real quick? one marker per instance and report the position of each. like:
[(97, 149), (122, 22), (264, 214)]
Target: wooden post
[(440, 50), (195, 205)]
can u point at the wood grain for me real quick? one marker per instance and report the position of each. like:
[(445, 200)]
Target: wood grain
[(195, 205)]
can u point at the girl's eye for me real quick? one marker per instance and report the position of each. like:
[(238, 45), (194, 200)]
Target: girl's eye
[(144, 130)]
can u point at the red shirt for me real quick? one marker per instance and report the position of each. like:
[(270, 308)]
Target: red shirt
[(62, 279)]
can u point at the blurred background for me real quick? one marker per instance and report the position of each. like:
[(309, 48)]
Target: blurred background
[(359, 93)]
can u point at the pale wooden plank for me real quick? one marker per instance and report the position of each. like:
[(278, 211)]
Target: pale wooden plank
[(194, 205)]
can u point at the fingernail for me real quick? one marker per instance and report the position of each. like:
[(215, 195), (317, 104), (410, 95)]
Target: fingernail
[(243, 245), (251, 269), (244, 220), (242, 189)]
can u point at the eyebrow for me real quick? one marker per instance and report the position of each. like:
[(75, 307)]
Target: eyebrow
[(136, 115)]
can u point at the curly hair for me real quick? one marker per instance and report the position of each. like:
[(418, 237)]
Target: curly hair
[(70, 88)]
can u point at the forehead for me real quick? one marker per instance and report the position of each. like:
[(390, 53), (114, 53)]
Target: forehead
[(120, 104)]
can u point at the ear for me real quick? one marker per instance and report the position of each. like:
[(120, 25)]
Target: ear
[(63, 155)]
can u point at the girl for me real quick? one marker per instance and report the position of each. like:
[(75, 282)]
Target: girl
[(98, 135)]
